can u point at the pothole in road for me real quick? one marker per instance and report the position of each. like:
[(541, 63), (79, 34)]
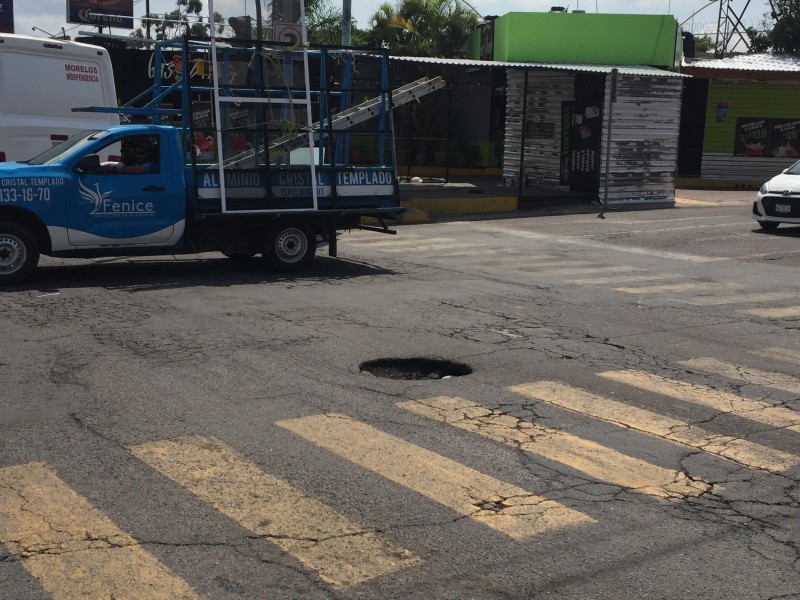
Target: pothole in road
[(414, 368)]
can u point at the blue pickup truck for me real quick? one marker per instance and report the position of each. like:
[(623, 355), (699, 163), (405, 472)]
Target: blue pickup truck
[(73, 201)]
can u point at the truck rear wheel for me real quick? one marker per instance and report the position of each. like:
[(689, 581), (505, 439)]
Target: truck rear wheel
[(290, 246), (19, 253)]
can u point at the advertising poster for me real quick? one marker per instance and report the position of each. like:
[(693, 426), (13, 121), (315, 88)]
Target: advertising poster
[(770, 138), (752, 137), (784, 138), (107, 13), (6, 16)]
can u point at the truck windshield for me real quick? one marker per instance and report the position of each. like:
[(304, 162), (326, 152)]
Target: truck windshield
[(69, 146)]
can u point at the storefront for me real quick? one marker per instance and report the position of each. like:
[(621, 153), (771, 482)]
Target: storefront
[(744, 112)]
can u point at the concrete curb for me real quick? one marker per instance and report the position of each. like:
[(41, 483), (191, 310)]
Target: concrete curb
[(461, 206)]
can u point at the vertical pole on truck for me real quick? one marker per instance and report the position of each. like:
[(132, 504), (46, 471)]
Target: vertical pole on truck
[(217, 109), (309, 116)]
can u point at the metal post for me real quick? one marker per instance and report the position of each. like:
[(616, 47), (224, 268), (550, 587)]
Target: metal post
[(612, 97), (259, 35), (147, 14)]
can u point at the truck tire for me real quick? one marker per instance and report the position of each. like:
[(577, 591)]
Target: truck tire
[(19, 253), (290, 246)]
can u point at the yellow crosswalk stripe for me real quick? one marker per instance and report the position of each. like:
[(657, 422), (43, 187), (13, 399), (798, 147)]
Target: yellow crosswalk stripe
[(784, 312), (71, 548), (723, 402), (586, 456), (783, 354), (580, 401), (676, 287), (340, 551), (740, 298), (504, 507), (778, 381)]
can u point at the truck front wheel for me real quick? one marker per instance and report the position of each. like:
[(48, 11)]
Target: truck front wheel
[(19, 253), (290, 246)]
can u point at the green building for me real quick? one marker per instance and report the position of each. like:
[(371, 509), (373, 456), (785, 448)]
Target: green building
[(592, 102)]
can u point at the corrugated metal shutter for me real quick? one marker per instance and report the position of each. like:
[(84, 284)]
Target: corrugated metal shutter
[(644, 140), (546, 92)]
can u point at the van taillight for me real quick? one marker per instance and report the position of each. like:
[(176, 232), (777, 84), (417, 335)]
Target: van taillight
[(2, 157), (52, 45)]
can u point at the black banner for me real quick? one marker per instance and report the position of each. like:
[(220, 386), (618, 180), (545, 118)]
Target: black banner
[(581, 156), (110, 13), (7, 16)]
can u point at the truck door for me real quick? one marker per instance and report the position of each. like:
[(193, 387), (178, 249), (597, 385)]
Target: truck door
[(118, 207)]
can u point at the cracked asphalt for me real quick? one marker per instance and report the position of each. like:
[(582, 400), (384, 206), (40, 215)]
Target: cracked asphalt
[(191, 427)]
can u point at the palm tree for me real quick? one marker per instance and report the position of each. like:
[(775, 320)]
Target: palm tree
[(423, 27)]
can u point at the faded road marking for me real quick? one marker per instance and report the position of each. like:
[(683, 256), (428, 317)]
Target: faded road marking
[(340, 551), (668, 428), (783, 354), (723, 402), (624, 279), (785, 312), (740, 298), (502, 506), (586, 456), (546, 271), (71, 548), (677, 287), (778, 381)]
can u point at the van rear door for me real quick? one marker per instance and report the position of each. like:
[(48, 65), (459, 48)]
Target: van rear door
[(41, 81)]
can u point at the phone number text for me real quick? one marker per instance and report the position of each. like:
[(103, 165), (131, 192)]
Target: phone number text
[(26, 194)]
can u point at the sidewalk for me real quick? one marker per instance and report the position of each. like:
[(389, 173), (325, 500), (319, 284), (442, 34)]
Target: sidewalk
[(487, 193)]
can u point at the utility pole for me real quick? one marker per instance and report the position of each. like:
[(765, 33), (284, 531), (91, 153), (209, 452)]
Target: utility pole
[(347, 22)]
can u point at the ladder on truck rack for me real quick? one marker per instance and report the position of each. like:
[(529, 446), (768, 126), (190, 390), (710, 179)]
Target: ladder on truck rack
[(347, 118)]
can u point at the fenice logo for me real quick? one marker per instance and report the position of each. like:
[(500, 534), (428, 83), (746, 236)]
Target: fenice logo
[(104, 206)]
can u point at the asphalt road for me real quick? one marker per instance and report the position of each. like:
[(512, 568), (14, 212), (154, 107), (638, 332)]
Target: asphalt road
[(193, 427)]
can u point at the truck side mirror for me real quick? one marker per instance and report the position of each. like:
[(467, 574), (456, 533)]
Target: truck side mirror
[(88, 164)]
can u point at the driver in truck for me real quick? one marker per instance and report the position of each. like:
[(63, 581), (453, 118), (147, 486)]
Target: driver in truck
[(137, 157)]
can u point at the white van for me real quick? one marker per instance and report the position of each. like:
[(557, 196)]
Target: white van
[(41, 80)]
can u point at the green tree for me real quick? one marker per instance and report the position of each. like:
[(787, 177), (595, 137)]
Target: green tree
[(760, 40), (325, 24), (188, 17), (704, 43), (423, 27), (785, 35)]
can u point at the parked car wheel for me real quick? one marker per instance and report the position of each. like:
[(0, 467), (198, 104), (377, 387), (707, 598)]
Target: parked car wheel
[(290, 246), (19, 253)]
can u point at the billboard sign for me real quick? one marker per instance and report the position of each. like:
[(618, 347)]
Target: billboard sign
[(102, 13), (6, 16)]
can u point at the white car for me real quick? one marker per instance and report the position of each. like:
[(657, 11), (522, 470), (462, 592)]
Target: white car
[(778, 200)]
